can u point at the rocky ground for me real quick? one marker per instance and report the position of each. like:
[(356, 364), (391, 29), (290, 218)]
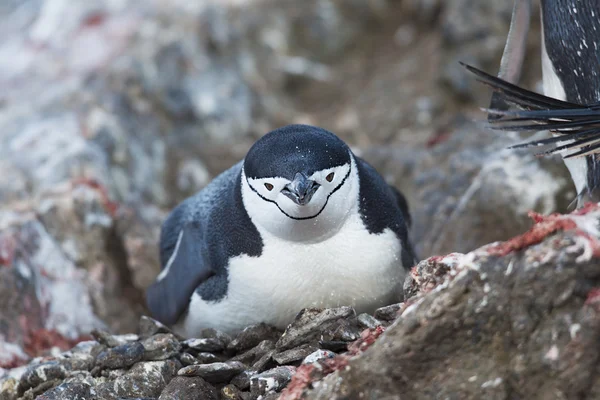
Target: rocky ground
[(113, 111)]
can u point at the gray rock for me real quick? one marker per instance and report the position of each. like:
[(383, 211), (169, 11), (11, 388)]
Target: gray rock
[(122, 356), (9, 388), (264, 362), (211, 333), (106, 338), (205, 345), (242, 380), (367, 321), (208, 358), (81, 357), (189, 388), (80, 388), (294, 355), (317, 356), (36, 375), (273, 380), (252, 336), (539, 290), (215, 372), (161, 347), (250, 356), (187, 359), (231, 392), (144, 379), (149, 327), (312, 325), (388, 313)]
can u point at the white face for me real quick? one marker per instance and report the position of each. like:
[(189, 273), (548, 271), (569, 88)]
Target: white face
[(269, 206)]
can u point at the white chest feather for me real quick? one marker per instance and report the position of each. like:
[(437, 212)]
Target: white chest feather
[(553, 88), (352, 267)]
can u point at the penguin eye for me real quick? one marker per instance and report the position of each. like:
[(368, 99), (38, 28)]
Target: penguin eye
[(330, 177), (269, 186)]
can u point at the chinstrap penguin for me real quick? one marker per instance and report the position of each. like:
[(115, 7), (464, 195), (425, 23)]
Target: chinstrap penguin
[(570, 106), (300, 222)]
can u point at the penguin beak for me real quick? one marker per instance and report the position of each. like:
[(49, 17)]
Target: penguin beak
[(301, 189)]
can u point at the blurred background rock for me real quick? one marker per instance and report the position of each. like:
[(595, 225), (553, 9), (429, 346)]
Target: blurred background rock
[(113, 111)]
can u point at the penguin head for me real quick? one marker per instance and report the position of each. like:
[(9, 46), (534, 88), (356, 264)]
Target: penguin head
[(301, 182)]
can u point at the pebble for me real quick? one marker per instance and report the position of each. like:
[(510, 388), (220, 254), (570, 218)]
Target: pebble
[(189, 388), (206, 344), (294, 355), (312, 325), (253, 335), (318, 356), (122, 356), (161, 346), (242, 380), (149, 327), (388, 313), (215, 372), (41, 373), (368, 321), (273, 380), (250, 356)]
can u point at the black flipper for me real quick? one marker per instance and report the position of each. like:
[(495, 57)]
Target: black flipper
[(403, 204), (576, 126), (186, 268)]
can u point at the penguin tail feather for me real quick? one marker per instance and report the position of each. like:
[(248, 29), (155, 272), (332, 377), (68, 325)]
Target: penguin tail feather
[(576, 127)]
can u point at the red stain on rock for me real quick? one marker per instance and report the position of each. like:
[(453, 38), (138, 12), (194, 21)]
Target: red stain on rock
[(437, 139), (587, 208), (300, 381), (94, 19), (13, 363), (37, 342), (367, 338), (7, 250), (110, 206), (544, 226), (307, 374), (593, 297)]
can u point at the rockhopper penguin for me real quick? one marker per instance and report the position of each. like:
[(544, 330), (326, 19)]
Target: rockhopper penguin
[(570, 108), (300, 222)]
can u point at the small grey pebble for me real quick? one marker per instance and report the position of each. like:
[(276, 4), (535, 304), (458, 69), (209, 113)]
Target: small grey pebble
[(253, 335), (206, 344), (273, 380), (294, 355), (210, 333), (242, 380), (122, 356), (106, 338), (318, 356), (388, 313), (36, 375), (231, 392), (187, 359), (189, 388), (250, 356), (334, 345), (161, 347), (208, 358), (148, 327), (264, 362), (368, 322), (215, 372)]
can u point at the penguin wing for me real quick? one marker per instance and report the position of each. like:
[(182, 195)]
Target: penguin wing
[(185, 269), (576, 126), (403, 204)]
